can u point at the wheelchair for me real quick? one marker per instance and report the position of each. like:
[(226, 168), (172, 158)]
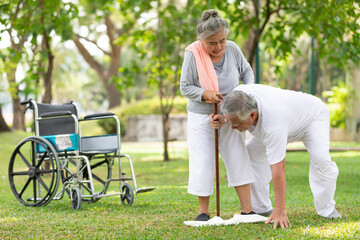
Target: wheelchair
[(58, 155)]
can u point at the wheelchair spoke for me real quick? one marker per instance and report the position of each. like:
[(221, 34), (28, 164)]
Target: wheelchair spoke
[(86, 187), (41, 160), (127, 198), (98, 179), (46, 171), (72, 161), (42, 183), (98, 164), (25, 187), (24, 159), (33, 153), (34, 188), (19, 173)]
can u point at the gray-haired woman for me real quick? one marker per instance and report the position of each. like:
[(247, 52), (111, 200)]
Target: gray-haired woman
[(230, 67)]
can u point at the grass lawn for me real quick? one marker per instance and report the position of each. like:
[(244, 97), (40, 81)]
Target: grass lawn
[(160, 214)]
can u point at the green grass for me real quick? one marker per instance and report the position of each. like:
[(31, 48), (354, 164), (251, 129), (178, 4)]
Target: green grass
[(160, 214)]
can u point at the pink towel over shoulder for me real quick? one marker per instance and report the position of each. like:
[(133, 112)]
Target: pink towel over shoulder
[(207, 75)]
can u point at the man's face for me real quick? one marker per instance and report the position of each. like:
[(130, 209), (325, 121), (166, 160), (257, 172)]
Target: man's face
[(241, 126)]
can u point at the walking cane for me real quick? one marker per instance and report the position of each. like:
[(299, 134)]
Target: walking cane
[(217, 166)]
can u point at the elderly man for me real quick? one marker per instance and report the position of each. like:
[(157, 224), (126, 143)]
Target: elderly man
[(276, 117)]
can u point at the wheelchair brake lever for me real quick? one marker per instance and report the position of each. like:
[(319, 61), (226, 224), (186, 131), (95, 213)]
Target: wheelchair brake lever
[(26, 109)]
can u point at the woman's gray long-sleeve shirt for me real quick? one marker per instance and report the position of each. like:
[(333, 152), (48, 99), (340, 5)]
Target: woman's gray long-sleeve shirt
[(232, 69)]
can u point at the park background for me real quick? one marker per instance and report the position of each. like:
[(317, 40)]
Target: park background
[(125, 57)]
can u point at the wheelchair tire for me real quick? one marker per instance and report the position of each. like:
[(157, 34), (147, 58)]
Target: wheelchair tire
[(31, 183), (127, 194), (76, 198)]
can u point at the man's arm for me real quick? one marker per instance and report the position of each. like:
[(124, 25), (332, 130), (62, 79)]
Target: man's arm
[(279, 215)]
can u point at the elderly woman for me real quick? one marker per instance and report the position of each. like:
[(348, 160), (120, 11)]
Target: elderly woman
[(219, 62)]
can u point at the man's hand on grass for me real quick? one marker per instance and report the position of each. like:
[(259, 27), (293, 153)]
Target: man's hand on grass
[(280, 218)]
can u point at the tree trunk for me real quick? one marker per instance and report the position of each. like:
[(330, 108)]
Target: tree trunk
[(301, 69), (113, 95), (247, 48), (18, 114), (112, 92), (47, 76), (105, 74), (166, 129), (3, 126), (323, 78)]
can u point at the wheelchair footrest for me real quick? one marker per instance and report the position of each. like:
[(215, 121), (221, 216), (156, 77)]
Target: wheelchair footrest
[(145, 189)]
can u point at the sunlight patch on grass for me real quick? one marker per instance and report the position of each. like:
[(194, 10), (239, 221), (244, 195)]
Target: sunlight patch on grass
[(9, 219), (345, 154), (157, 158), (171, 187), (334, 230), (143, 150)]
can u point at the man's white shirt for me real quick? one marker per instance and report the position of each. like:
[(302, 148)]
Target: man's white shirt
[(283, 116)]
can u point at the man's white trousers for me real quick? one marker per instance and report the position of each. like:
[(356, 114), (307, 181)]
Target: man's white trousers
[(322, 174)]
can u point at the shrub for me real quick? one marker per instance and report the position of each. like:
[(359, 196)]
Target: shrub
[(338, 103), (143, 107)]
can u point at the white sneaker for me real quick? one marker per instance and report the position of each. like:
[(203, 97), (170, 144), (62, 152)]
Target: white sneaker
[(334, 215)]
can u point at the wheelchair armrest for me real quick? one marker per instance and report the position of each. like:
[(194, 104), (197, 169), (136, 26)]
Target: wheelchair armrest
[(56, 114), (98, 116)]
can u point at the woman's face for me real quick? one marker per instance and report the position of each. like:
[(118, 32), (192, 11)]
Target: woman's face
[(215, 45)]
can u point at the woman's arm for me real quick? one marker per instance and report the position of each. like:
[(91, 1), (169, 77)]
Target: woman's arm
[(189, 80)]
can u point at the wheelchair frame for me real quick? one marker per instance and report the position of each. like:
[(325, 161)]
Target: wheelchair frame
[(64, 152)]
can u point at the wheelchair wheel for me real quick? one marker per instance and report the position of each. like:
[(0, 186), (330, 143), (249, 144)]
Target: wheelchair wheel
[(76, 198), (33, 183), (127, 194)]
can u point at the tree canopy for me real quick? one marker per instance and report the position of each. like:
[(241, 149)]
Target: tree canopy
[(155, 33)]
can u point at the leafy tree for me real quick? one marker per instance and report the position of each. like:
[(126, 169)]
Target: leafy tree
[(29, 22), (339, 96), (74, 80), (332, 22), (53, 17), (161, 43), (107, 19), (15, 20), (3, 125)]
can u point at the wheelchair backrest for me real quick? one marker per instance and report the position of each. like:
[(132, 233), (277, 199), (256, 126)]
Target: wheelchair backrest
[(56, 126)]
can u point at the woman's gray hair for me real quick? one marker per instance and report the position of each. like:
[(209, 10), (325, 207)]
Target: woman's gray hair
[(211, 23), (239, 104)]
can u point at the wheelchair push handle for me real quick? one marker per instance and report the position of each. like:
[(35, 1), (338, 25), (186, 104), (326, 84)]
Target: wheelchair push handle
[(26, 102)]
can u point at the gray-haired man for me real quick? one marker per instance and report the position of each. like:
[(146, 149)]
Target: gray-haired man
[(276, 117)]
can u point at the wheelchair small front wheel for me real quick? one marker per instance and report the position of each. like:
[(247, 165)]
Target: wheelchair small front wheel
[(127, 194), (76, 198)]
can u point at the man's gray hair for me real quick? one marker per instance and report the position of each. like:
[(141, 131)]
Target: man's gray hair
[(239, 104), (211, 23)]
